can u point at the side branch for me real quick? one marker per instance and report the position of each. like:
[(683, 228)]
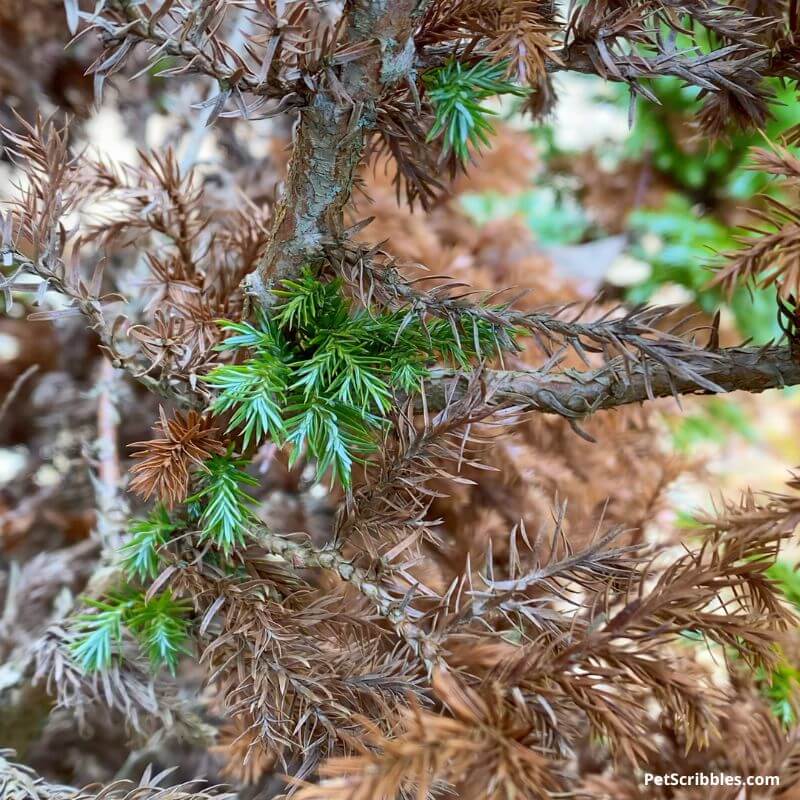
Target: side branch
[(394, 609), (576, 394), (723, 69)]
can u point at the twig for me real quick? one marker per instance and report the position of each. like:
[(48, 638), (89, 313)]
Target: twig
[(112, 509), (16, 388), (396, 610), (199, 127), (107, 421)]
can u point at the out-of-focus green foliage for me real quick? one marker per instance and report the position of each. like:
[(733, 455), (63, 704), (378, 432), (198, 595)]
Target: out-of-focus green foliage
[(554, 216), (680, 238), (704, 173), (714, 421), (679, 243), (698, 165), (788, 577), (782, 685)]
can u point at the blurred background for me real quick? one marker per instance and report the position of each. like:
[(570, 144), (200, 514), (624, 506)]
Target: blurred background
[(628, 200)]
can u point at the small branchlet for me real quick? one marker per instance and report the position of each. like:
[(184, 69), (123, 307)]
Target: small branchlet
[(322, 376), (456, 93), (158, 624)]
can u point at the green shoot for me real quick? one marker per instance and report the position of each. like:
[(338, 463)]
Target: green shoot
[(334, 433), (140, 554), (322, 376), (456, 93), (99, 633), (255, 390), (306, 301), (158, 624), (227, 508)]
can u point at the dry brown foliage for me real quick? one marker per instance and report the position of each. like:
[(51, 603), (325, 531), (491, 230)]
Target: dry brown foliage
[(164, 463)]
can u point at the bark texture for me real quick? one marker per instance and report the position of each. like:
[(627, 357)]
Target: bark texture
[(331, 136), (577, 394)]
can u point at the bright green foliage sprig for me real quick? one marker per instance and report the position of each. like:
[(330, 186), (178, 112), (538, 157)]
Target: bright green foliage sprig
[(256, 390), (321, 375), (456, 93), (158, 623), (140, 559), (160, 626), (99, 633), (227, 505)]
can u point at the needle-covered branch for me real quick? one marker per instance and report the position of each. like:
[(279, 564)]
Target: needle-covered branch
[(577, 394), (642, 333), (395, 609), (401, 627), (22, 783)]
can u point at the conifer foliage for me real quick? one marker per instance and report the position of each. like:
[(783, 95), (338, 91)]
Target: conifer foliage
[(345, 533)]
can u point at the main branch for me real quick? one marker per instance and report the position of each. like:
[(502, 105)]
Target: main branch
[(577, 394), (331, 136)]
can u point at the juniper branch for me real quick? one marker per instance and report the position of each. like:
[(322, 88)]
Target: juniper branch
[(145, 27), (394, 609), (575, 394), (19, 782), (725, 68), (713, 71), (632, 335), (92, 307)]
